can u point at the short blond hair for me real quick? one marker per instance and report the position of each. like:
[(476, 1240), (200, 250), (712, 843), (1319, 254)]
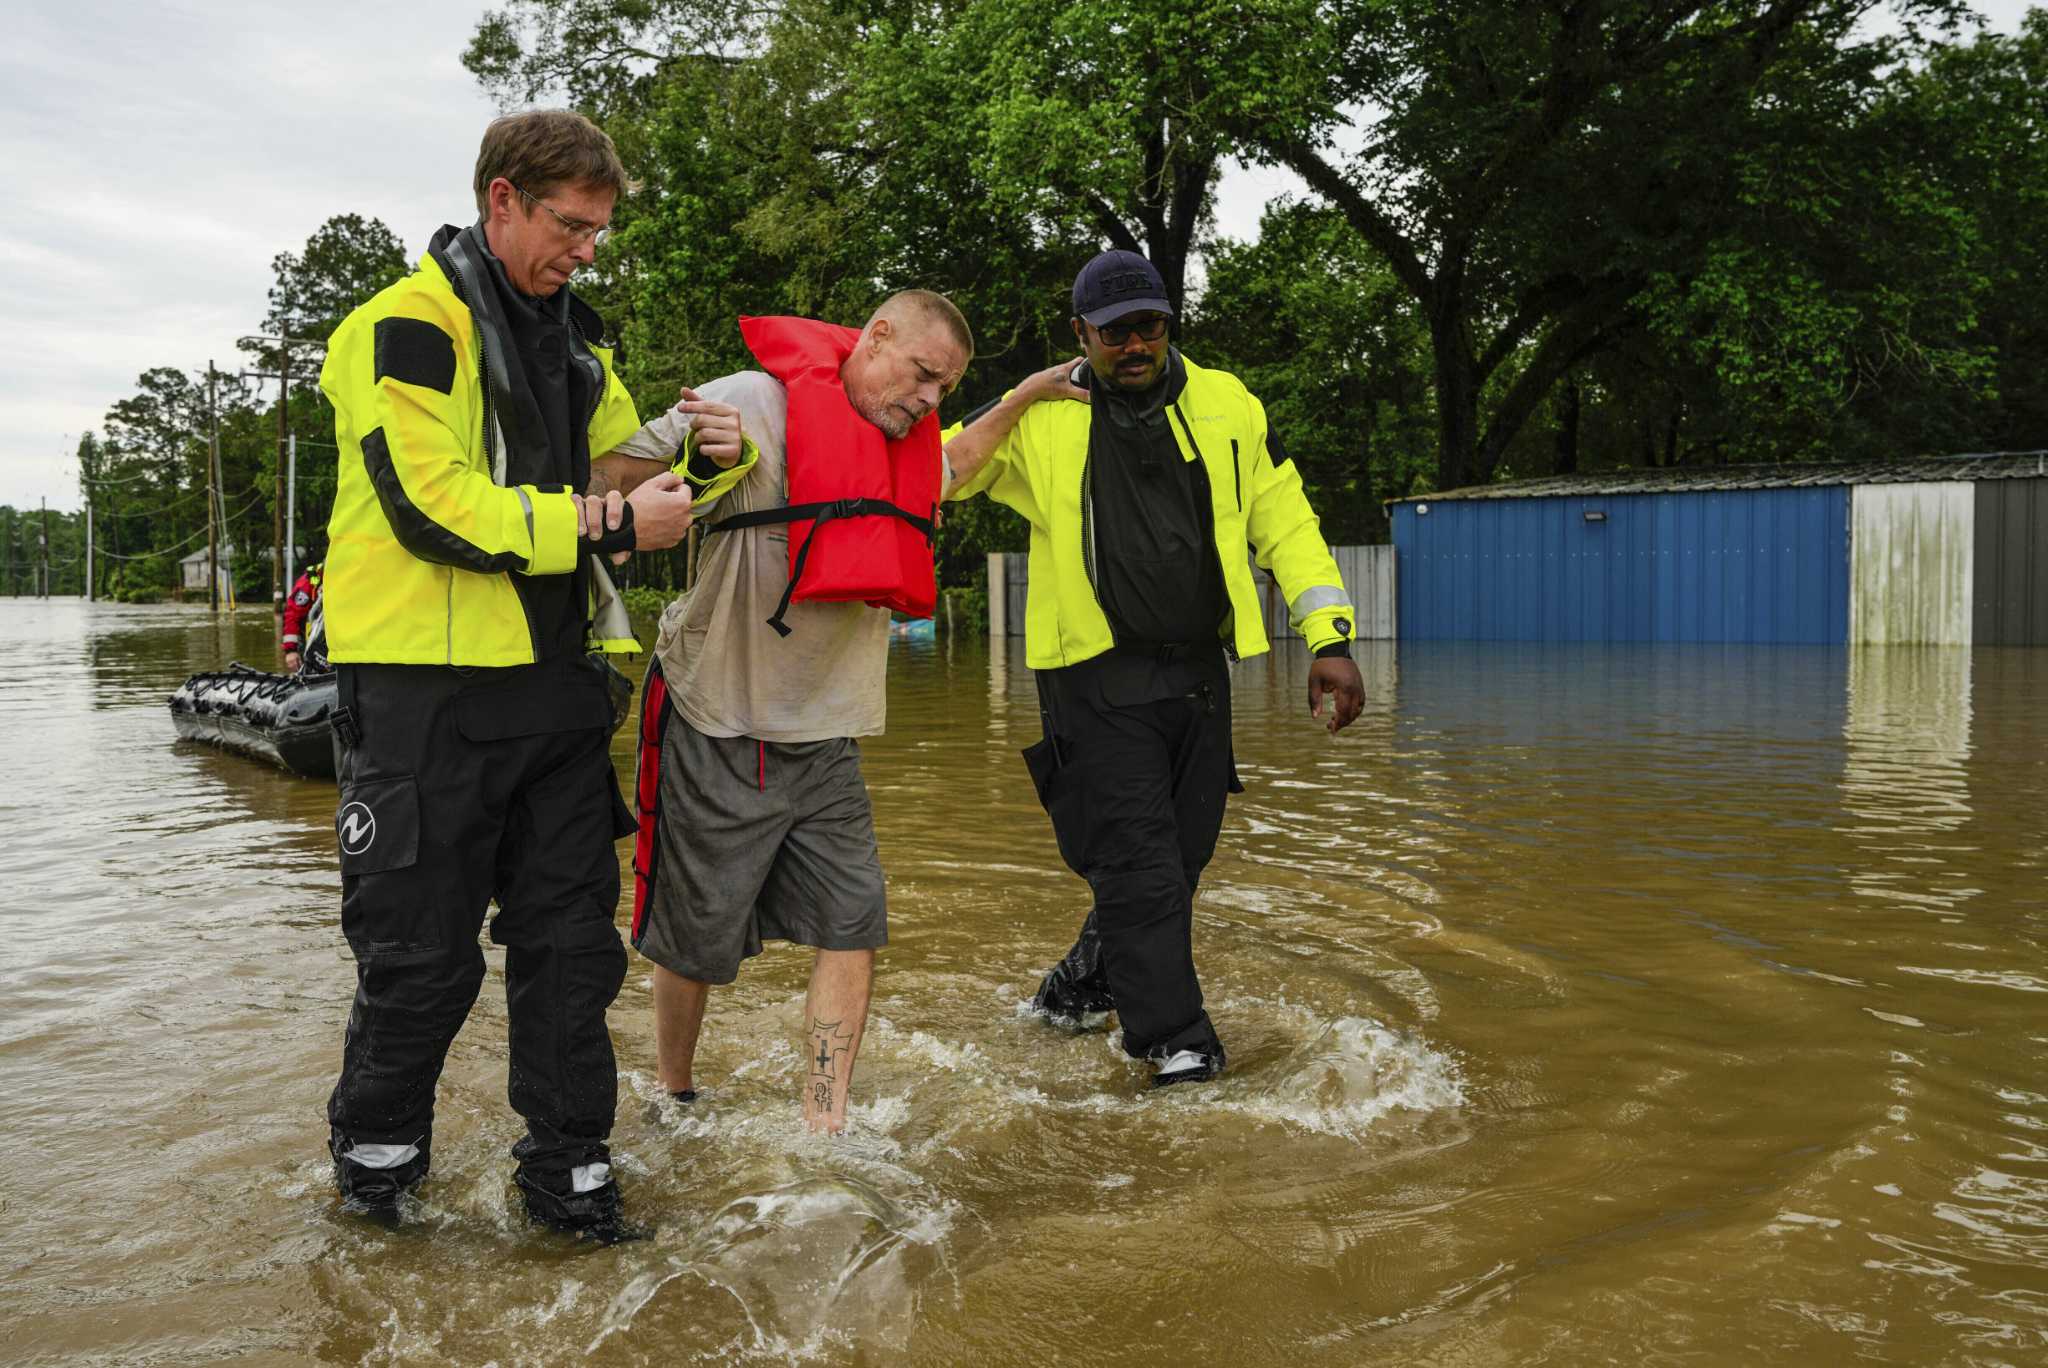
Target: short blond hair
[(931, 306), (544, 149)]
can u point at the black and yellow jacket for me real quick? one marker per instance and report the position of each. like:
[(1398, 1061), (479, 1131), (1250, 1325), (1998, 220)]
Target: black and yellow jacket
[(431, 519), (1041, 470)]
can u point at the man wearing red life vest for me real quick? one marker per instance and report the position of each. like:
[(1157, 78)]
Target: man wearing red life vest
[(755, 819), (1142, 503)]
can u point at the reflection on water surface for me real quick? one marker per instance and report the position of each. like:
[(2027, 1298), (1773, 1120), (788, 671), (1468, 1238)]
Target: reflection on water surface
[(1584, 1004)]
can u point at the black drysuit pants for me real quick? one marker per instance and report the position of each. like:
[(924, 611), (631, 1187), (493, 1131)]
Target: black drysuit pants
[(1134, 770), (464, 787)]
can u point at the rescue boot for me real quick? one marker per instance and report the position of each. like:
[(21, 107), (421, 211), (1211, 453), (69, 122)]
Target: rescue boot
[(1186, 1066), (1079, 1007), (1076, 993), (373, 1179), (597, 1215)]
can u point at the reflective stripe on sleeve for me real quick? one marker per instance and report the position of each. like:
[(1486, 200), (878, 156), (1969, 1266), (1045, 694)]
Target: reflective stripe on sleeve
[(1315, 599), (527, 504)]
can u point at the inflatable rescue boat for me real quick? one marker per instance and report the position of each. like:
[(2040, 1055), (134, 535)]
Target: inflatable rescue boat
[(285, 719)]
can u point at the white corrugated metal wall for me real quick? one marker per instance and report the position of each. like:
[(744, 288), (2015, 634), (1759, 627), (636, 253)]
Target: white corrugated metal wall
[(1368, 573), (1912, 554)]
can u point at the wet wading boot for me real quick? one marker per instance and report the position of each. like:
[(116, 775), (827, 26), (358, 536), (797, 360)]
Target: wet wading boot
[(374, 1179), (1067, 999), (1186, 1066), (597, 1215)]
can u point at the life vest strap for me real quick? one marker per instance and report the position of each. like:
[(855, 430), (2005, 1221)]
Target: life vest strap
[(819, 514)]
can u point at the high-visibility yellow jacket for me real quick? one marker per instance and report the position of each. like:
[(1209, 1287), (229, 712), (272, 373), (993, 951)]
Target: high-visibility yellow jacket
[(426, 536), (1041, 470)]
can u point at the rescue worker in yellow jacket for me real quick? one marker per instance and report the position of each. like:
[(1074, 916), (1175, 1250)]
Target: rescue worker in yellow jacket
[(1144, 478), (463, 572)]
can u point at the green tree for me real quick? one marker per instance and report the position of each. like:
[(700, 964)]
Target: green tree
[(1321, 331), (1651, 230), (1532, 171), (1983, 108), (345, 261)]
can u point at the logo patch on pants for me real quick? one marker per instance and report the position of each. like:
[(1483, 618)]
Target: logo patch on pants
[(357, 827), (378, 826)]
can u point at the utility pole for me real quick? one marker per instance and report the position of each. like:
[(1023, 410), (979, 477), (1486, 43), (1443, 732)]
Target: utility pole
[(44, 591), (280, 582), (91, 590), (212, 479), (291, 508), (280, 559)]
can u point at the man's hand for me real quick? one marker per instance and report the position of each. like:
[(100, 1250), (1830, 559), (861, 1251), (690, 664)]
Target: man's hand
[(716, 425), (1337, 677), (291, 662), (597, 514), (972, 446), (1050, 383), (661, 510)]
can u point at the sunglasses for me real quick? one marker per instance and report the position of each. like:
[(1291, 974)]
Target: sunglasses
[(1116, 334)]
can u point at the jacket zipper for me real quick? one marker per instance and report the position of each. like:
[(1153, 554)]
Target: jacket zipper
[(1202, 463), (597, 388)]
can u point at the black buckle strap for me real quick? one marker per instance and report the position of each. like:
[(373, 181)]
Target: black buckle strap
[(822, 511), (819, 514)]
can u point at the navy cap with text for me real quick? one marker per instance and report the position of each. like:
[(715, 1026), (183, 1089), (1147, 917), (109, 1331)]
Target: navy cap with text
[(1117, 283)]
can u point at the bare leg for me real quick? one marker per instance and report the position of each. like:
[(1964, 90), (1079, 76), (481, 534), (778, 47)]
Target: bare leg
[(835, 1015), (678, 1015)]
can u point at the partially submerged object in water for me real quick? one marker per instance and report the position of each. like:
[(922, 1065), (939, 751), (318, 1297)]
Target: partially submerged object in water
[(285, 719), (288, 719)]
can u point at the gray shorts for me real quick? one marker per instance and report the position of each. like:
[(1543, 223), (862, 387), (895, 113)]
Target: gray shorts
[(757, 841)]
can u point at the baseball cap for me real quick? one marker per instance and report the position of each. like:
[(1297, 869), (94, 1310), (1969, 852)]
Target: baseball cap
[(1118, 283)]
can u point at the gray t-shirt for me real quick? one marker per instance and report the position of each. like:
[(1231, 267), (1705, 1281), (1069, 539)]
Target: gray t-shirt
[(727, 670)]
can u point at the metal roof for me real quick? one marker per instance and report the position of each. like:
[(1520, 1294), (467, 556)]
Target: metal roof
[(2001, 465)]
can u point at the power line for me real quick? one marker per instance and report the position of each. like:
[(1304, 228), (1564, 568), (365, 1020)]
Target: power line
[(162, 550)]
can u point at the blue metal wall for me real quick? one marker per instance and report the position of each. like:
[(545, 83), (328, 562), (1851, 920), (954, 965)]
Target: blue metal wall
[(1763, 565)]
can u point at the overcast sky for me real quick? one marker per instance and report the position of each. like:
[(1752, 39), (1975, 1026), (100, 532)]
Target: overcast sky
[(160, 155)]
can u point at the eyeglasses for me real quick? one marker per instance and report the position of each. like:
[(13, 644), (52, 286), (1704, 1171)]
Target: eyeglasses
[(1116, 334), (592, 233)]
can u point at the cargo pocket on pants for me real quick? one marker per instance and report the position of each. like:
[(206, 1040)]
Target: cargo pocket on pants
[(378, 830), (377, 826), (1058, 795), (1042, 760)]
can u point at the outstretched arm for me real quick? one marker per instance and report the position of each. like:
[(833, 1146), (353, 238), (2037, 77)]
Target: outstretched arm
[(974, 444)]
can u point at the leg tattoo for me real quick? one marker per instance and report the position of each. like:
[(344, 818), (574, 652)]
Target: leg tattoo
[(830, 1041)]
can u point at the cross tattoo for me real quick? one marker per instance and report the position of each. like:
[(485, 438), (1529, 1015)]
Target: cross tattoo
[(828, 1042)]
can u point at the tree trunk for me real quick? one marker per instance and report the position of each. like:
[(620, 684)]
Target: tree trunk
[(1567, 460), (1457, 406)]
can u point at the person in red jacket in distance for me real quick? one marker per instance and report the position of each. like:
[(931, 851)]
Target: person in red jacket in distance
[(298, 607)]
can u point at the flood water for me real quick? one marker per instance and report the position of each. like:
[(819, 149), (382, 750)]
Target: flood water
[(1632, 1005)]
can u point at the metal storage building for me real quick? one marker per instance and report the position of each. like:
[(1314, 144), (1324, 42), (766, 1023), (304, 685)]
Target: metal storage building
[(1950, 550)]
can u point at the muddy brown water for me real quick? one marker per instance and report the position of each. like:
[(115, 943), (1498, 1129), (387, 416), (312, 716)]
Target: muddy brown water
[(1630, 1005)]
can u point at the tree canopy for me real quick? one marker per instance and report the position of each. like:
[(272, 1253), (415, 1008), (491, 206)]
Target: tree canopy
[(1536, 234)]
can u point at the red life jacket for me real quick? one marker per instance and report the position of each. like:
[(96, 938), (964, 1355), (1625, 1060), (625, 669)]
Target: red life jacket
[(861, 505)]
